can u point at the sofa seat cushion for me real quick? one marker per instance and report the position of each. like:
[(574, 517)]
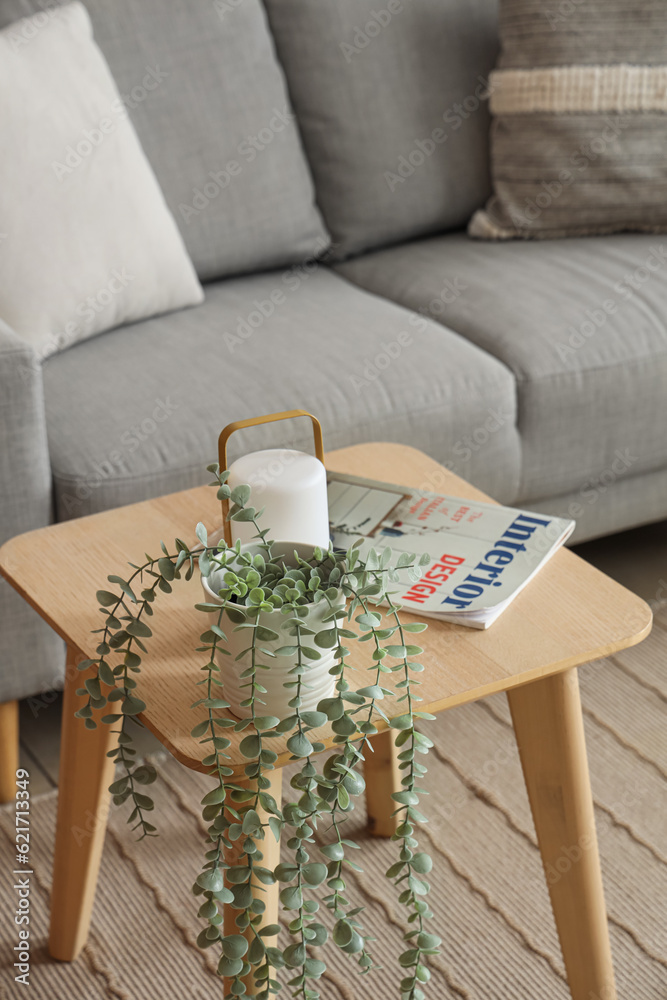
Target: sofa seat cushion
[(582, 323), (208, 99), (136, 412), (390, 103)]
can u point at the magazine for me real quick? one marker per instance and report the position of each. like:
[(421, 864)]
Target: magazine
[(482, 554)]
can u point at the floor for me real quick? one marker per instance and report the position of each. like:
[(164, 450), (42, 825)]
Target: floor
[(637, 559)]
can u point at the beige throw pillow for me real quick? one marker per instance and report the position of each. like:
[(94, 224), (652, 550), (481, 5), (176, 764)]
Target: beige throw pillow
[(86, 240)]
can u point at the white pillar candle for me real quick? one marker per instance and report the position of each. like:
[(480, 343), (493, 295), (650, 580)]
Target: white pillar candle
[(292, 488)]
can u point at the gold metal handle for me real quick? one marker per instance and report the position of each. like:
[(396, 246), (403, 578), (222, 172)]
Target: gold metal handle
[(270, 418)]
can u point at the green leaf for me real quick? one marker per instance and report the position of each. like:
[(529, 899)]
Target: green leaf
[(333, 708), (422, 863), (336, 852), (139, 628), (316, 934), (245, 514), (235, 615), (251, 822), (345, 726), (250, 746), (240, 494), (264, 722), (276, 828), (314, 719), (343, 797), (166, 568), (356, 944), (285, 872), (314, 874), (125, 587), (295, 955), (406, 798), (145, 774), (207, 910), (105, 674), (212, 879), (373, 691), (399, 652), (326, 639), (291, 897), (93, 687), (265, 634), (257, 596), (105, 598), (369, 619), (215, 796), (427, 942), (201, 533), (299, 745), (234, 946), (401, 722), (143, 801), (270, 930), (342, 933), (314, 968), (414, 626), (229, 967), (256, 952), (132, 706)]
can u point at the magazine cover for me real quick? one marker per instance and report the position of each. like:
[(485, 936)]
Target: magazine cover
[(482, 554)]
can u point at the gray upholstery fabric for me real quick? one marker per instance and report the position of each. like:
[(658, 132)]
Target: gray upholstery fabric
[(370, 84), (204, 90), (136, 412), (591, 383), (610, 503), (30, 653)]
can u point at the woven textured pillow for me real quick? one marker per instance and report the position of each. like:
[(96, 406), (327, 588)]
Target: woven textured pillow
[(579, 134)]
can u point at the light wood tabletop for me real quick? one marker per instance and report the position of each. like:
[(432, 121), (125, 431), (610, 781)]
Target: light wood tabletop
[(570, 614)]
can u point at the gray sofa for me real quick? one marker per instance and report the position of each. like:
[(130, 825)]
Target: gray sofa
[(338, 279)]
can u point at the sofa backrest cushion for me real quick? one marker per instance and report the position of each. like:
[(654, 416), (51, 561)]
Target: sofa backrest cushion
[(208, 99), (388, 94)]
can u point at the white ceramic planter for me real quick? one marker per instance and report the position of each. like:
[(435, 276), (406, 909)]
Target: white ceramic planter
[(317, 683)]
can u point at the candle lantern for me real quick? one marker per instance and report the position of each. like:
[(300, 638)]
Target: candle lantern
[(290, 485)]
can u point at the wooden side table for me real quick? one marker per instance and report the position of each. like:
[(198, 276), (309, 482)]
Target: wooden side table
[(569, 615)]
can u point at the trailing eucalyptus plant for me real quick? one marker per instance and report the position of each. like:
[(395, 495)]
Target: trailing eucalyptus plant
[(241, 815)]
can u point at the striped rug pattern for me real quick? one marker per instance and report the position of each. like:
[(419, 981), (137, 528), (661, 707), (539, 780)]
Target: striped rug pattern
[(488, 891)]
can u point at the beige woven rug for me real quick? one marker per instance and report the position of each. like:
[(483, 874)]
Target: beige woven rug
[(488, 890)]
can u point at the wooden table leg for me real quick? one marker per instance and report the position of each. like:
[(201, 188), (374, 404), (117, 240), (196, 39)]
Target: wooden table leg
[(383, 777), (269, 893), (83, 805), (9, 749), (550, 734)]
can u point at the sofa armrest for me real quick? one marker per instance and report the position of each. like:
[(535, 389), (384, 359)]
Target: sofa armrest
[(25, 469), (31, 654)]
